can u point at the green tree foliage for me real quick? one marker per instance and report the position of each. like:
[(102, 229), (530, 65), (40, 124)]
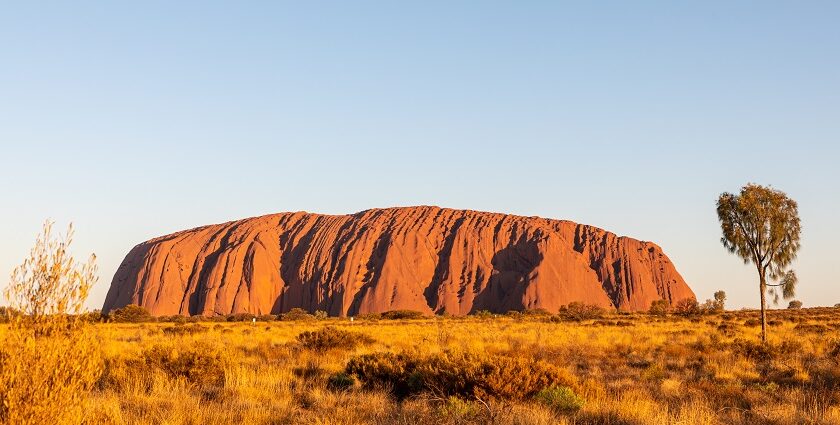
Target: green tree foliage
[(131, 313), (577, 311), (761, 225), (659, 308), (720, 300)]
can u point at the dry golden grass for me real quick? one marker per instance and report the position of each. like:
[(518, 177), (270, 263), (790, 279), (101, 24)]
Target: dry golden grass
[(628, 369)]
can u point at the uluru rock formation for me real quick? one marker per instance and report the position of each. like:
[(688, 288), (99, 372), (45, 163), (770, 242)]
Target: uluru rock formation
[(427, 259)]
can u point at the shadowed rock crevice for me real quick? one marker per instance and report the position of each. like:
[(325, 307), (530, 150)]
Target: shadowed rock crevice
[(429, 259)]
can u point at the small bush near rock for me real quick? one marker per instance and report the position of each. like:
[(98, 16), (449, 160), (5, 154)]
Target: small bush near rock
[(402, 315), (190, 329), (687, 307), (296, 314), (659, 308), (577, 312), (560, 399), (130, 314), (197, 363), (241, 317), (465, 375), (332, 339)]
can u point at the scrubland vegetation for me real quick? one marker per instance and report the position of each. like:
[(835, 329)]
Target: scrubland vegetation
[(524, 368)]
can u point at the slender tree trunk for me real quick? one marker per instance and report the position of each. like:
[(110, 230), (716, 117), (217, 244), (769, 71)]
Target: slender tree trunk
[(763, 287)]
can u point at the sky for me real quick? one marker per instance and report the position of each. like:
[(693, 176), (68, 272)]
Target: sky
[(137, 119)]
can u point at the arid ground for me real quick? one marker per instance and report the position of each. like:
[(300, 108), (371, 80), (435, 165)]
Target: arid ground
[(529, 369)]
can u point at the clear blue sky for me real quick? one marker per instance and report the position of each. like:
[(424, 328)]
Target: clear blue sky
[(138, 119)]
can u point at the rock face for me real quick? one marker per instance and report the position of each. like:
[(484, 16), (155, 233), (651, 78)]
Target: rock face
[(427, 259)]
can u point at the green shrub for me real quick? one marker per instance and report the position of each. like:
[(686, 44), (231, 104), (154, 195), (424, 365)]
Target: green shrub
[(560, 399), (577, 311), (131, 313), (197, 363), (466, 375), (296, 314), (241, 317), (173, 319), (687, 307), (190, 329), (402, 314), (795, 304), (340, 381), (456, 408), (369, 316), (332, 339), (482, 314), (536, 312), (659, 308), (321, 315)]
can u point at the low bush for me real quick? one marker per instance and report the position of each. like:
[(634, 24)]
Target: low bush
[(536, 312), (173, 319), (190, 329), (482, 314), (402, 315), (465, 375), (332, 339), (577, 312), (241, 317), (131, 313), (198, 363), (687, 307), (659, 308), (341, 381), (296, 314), (560, 399)]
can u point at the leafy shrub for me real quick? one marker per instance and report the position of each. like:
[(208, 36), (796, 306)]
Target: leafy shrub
[(190, 329), (131, 313), (266, 318), (341, 381), (321, 315), (240, 317), (369, 316), (687, 307), (795, 304), (456, 408), (88, 317), (482, 314), (197, 363), (466, 375), (332, 339), (177, 318), (659, 308), (560, 399), (752, 322), (296, 314), (402, 315), (536, 312), (577, 311)]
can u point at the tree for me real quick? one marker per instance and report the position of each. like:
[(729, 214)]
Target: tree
[(131, 313), (659, 308), (761, 225), (720, 300), (795, 304), (687, 307), (50, 357)]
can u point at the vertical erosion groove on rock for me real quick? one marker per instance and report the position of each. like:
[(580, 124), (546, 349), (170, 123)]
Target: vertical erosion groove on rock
[(428, 259)]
